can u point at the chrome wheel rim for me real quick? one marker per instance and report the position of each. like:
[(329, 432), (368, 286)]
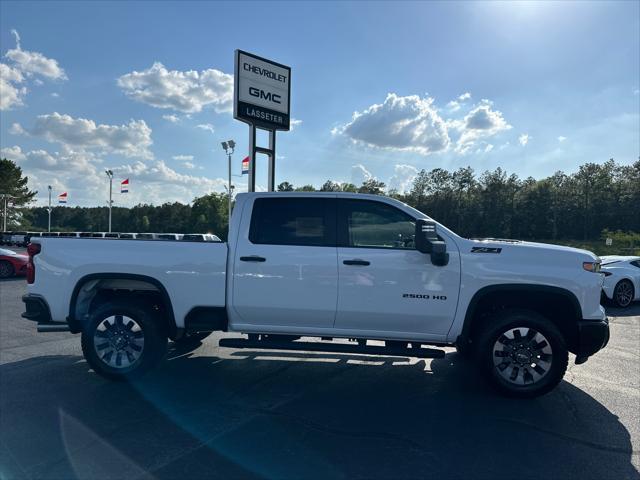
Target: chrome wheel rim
[(624, 294), (522, 356), (119, 341)]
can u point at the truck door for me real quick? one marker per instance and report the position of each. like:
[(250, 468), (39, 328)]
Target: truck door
[(285, 272), (385, 284)]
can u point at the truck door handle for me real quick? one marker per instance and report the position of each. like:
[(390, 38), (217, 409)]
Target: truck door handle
[(356, 261), (253, 258)]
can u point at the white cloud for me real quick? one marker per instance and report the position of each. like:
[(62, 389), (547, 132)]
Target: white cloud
[(455, 105), (22, 65), (12, 153), (524, 139), (206, 126), (359, 174), (186, 161), (159, 183), (171, 118), (294, 123), (183, 158), (11, 94), (402, 178), (488, 148), (400, 123), (55, 95), (561, 138), (132, 139), (81, 173), (481, 122), (187, 91), (34, 63)]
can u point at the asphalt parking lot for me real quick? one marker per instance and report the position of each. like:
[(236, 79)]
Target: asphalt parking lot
[(220, 413)]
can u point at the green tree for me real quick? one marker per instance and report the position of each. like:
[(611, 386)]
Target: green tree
[(330, 186), (349, 187), (285, 187), (372, 186), (14, 184)]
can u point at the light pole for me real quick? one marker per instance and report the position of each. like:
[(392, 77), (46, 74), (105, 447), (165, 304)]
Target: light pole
[(229, 147), (5, 197), (49, 209), (110, 175)]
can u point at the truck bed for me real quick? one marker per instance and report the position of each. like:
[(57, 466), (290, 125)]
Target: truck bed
[(192, 273)]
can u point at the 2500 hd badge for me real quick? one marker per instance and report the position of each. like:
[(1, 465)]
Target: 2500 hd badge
[(424, 296)]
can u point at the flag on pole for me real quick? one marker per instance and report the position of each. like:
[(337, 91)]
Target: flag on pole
[(124, 186), (245, 165), (62, 198)]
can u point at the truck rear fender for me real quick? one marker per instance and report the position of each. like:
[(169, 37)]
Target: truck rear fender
[(95, 288)]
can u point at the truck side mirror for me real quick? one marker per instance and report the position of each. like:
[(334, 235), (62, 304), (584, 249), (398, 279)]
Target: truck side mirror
[(426, 240)]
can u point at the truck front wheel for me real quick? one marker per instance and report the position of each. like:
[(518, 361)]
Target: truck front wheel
[(522, 353), (121, 341)]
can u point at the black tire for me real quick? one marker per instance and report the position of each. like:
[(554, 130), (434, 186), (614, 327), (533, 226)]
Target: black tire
[(623, 293), (465, 350), (146, 341), (6, 269), (539, 362)]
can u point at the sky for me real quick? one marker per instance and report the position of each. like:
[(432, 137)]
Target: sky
[(378, 90)]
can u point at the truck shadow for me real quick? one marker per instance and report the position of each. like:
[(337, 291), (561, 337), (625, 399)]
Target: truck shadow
[(632, 310), (255, 414)]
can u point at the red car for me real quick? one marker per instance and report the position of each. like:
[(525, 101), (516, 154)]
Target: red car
[(12, 263)]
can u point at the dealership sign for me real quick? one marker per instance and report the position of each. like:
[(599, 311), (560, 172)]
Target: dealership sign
[(262, 91)]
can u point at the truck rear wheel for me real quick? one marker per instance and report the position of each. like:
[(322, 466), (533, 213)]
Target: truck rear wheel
[(122, 341), (522, 353)]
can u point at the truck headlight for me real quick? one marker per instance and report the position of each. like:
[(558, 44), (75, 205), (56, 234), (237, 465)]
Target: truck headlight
[(591, 266)]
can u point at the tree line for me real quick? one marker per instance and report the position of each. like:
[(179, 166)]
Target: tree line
[(576, 206)]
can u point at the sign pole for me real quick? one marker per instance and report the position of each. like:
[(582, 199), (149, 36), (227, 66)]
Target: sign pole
[(49, 209), (272, 161), (262, 92), (252, 158)]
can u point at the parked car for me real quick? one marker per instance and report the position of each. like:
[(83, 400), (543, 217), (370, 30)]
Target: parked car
[(127, 235), (12, 263), (68, 234), (5, 238), (169, 236), (335, 266), (200, 237), (622, 279), (146, 236), (31, 235), (18, 239)]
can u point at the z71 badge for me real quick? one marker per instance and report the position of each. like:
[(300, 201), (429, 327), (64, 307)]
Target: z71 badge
[(486, 250)]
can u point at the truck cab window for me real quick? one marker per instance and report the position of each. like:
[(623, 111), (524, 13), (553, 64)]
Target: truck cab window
[(293, 221), (375, 225)]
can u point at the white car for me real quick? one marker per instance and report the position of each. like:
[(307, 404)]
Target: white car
[(622, 279)]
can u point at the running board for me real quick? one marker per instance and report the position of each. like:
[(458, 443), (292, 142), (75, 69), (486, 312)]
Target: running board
[(53, 327), (331, 348)]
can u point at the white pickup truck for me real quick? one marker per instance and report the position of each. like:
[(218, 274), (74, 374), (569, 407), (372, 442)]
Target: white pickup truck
[(346, 268)]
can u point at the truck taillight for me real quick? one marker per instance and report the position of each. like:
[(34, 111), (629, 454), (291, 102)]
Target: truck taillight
[(32, 249)]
